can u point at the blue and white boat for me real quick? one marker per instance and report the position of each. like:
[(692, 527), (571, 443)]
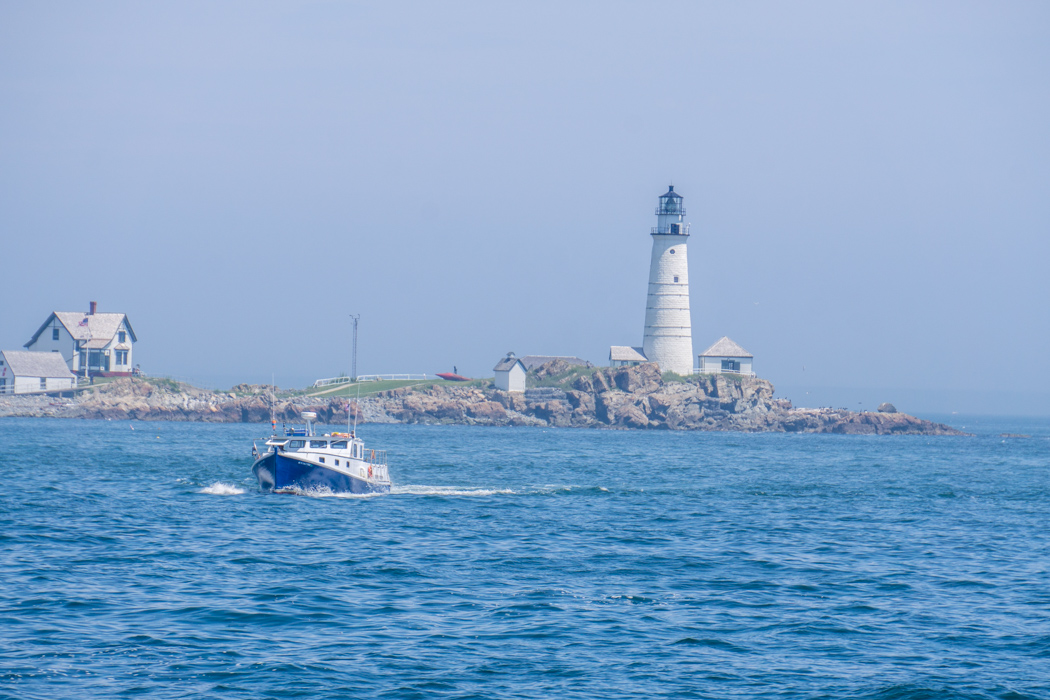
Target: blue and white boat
[(301, 460)]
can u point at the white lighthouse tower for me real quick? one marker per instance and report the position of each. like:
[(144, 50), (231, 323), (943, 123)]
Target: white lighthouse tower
[(668, 337)]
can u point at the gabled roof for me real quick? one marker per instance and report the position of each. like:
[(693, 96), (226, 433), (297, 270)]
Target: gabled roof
[(625, 353), (36, 364), (99, 326), (724, 347), (507, 363), (531, 362)]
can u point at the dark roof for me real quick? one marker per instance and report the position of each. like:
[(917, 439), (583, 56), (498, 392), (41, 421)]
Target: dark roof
[(507, 363), (670, 194)]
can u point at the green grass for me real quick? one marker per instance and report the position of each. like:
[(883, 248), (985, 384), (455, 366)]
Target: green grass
[(675, 378), (165, 384), (369, 388)]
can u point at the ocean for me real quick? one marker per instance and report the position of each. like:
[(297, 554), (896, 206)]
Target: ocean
[(139, 559)]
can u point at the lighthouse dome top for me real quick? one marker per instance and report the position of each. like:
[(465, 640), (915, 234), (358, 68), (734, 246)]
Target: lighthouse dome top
[(670, 203)]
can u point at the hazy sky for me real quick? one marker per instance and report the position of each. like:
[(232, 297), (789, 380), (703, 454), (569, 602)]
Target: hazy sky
[(867, 185)]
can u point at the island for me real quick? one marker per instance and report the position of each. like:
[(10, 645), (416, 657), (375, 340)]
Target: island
[(638, 397)]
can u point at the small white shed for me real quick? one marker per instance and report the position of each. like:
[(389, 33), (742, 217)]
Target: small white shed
[(25, 372), (625, 356), (727, 357), (510, 374)]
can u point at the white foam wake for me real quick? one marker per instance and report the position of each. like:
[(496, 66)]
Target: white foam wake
[(421, 490), (221, 489)]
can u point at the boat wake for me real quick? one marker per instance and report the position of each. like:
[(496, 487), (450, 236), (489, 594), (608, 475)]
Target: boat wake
[(421, 490), (221, 489)]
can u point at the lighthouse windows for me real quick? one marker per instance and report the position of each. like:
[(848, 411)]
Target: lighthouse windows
[(676, 279), (672, 251)]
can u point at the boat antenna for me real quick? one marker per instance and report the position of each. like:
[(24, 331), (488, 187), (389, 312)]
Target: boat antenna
[(357, 407)]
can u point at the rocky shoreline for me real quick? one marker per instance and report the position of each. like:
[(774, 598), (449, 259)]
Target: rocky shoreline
[(562, 396)]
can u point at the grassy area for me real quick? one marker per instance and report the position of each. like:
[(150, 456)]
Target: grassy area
[(165, 384), (674, 377), (367, 388), (564, 379)]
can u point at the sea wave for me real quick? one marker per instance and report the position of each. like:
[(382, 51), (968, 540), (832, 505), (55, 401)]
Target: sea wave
[(222, 489)]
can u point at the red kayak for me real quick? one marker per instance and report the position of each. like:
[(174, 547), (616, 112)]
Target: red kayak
[(448, 376)]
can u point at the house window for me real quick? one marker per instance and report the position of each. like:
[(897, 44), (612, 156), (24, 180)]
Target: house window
[(730, 366), (43, 382), (54, 334), (122, 357), (121, 337)]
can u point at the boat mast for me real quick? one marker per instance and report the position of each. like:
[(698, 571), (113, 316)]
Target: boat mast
[(273, 416), (353, 356)]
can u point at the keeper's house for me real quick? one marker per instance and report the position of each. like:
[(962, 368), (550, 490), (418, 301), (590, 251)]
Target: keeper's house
[(727, 357), (25, 372), (91, 344), (625, 356), (510, 374)]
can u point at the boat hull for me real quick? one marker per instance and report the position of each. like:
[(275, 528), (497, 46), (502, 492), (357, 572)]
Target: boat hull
[(278, 472)]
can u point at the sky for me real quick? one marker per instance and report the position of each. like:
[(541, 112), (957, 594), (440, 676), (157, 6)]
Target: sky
[(867, 186)]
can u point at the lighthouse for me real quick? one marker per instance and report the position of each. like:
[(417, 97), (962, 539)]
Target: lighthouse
[(668, 339)]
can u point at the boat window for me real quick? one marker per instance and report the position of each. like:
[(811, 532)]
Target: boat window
[(318, 443), (339, 444), (337, 462), (321, 459), (295, 444)]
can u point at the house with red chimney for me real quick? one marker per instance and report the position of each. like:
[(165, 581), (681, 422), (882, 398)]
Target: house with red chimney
[(91, 343)]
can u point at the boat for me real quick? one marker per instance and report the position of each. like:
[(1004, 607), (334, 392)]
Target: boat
[(450, 377), (300, 460)]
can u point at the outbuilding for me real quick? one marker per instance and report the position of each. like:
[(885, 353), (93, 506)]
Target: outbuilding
[(625, 356), (25, 372), (726, 357), (510, 374)]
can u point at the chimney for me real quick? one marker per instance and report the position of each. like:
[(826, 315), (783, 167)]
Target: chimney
[(94, 305)]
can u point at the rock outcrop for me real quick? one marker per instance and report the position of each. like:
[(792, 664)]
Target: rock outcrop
[(570, 396)]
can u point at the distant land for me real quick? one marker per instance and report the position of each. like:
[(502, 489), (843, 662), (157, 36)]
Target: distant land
[(560, 395)]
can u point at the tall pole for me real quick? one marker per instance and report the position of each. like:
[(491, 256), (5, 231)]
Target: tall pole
[(353, 360)]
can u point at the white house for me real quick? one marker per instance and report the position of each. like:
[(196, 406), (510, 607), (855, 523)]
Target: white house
[(510, 374), (726, 356), (91, 344), (24, 372), (625, 356)]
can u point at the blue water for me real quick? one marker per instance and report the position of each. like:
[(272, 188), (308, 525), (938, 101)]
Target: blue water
[(528, 563)]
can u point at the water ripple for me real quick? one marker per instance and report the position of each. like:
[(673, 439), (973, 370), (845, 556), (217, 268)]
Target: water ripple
[(517, 563)]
